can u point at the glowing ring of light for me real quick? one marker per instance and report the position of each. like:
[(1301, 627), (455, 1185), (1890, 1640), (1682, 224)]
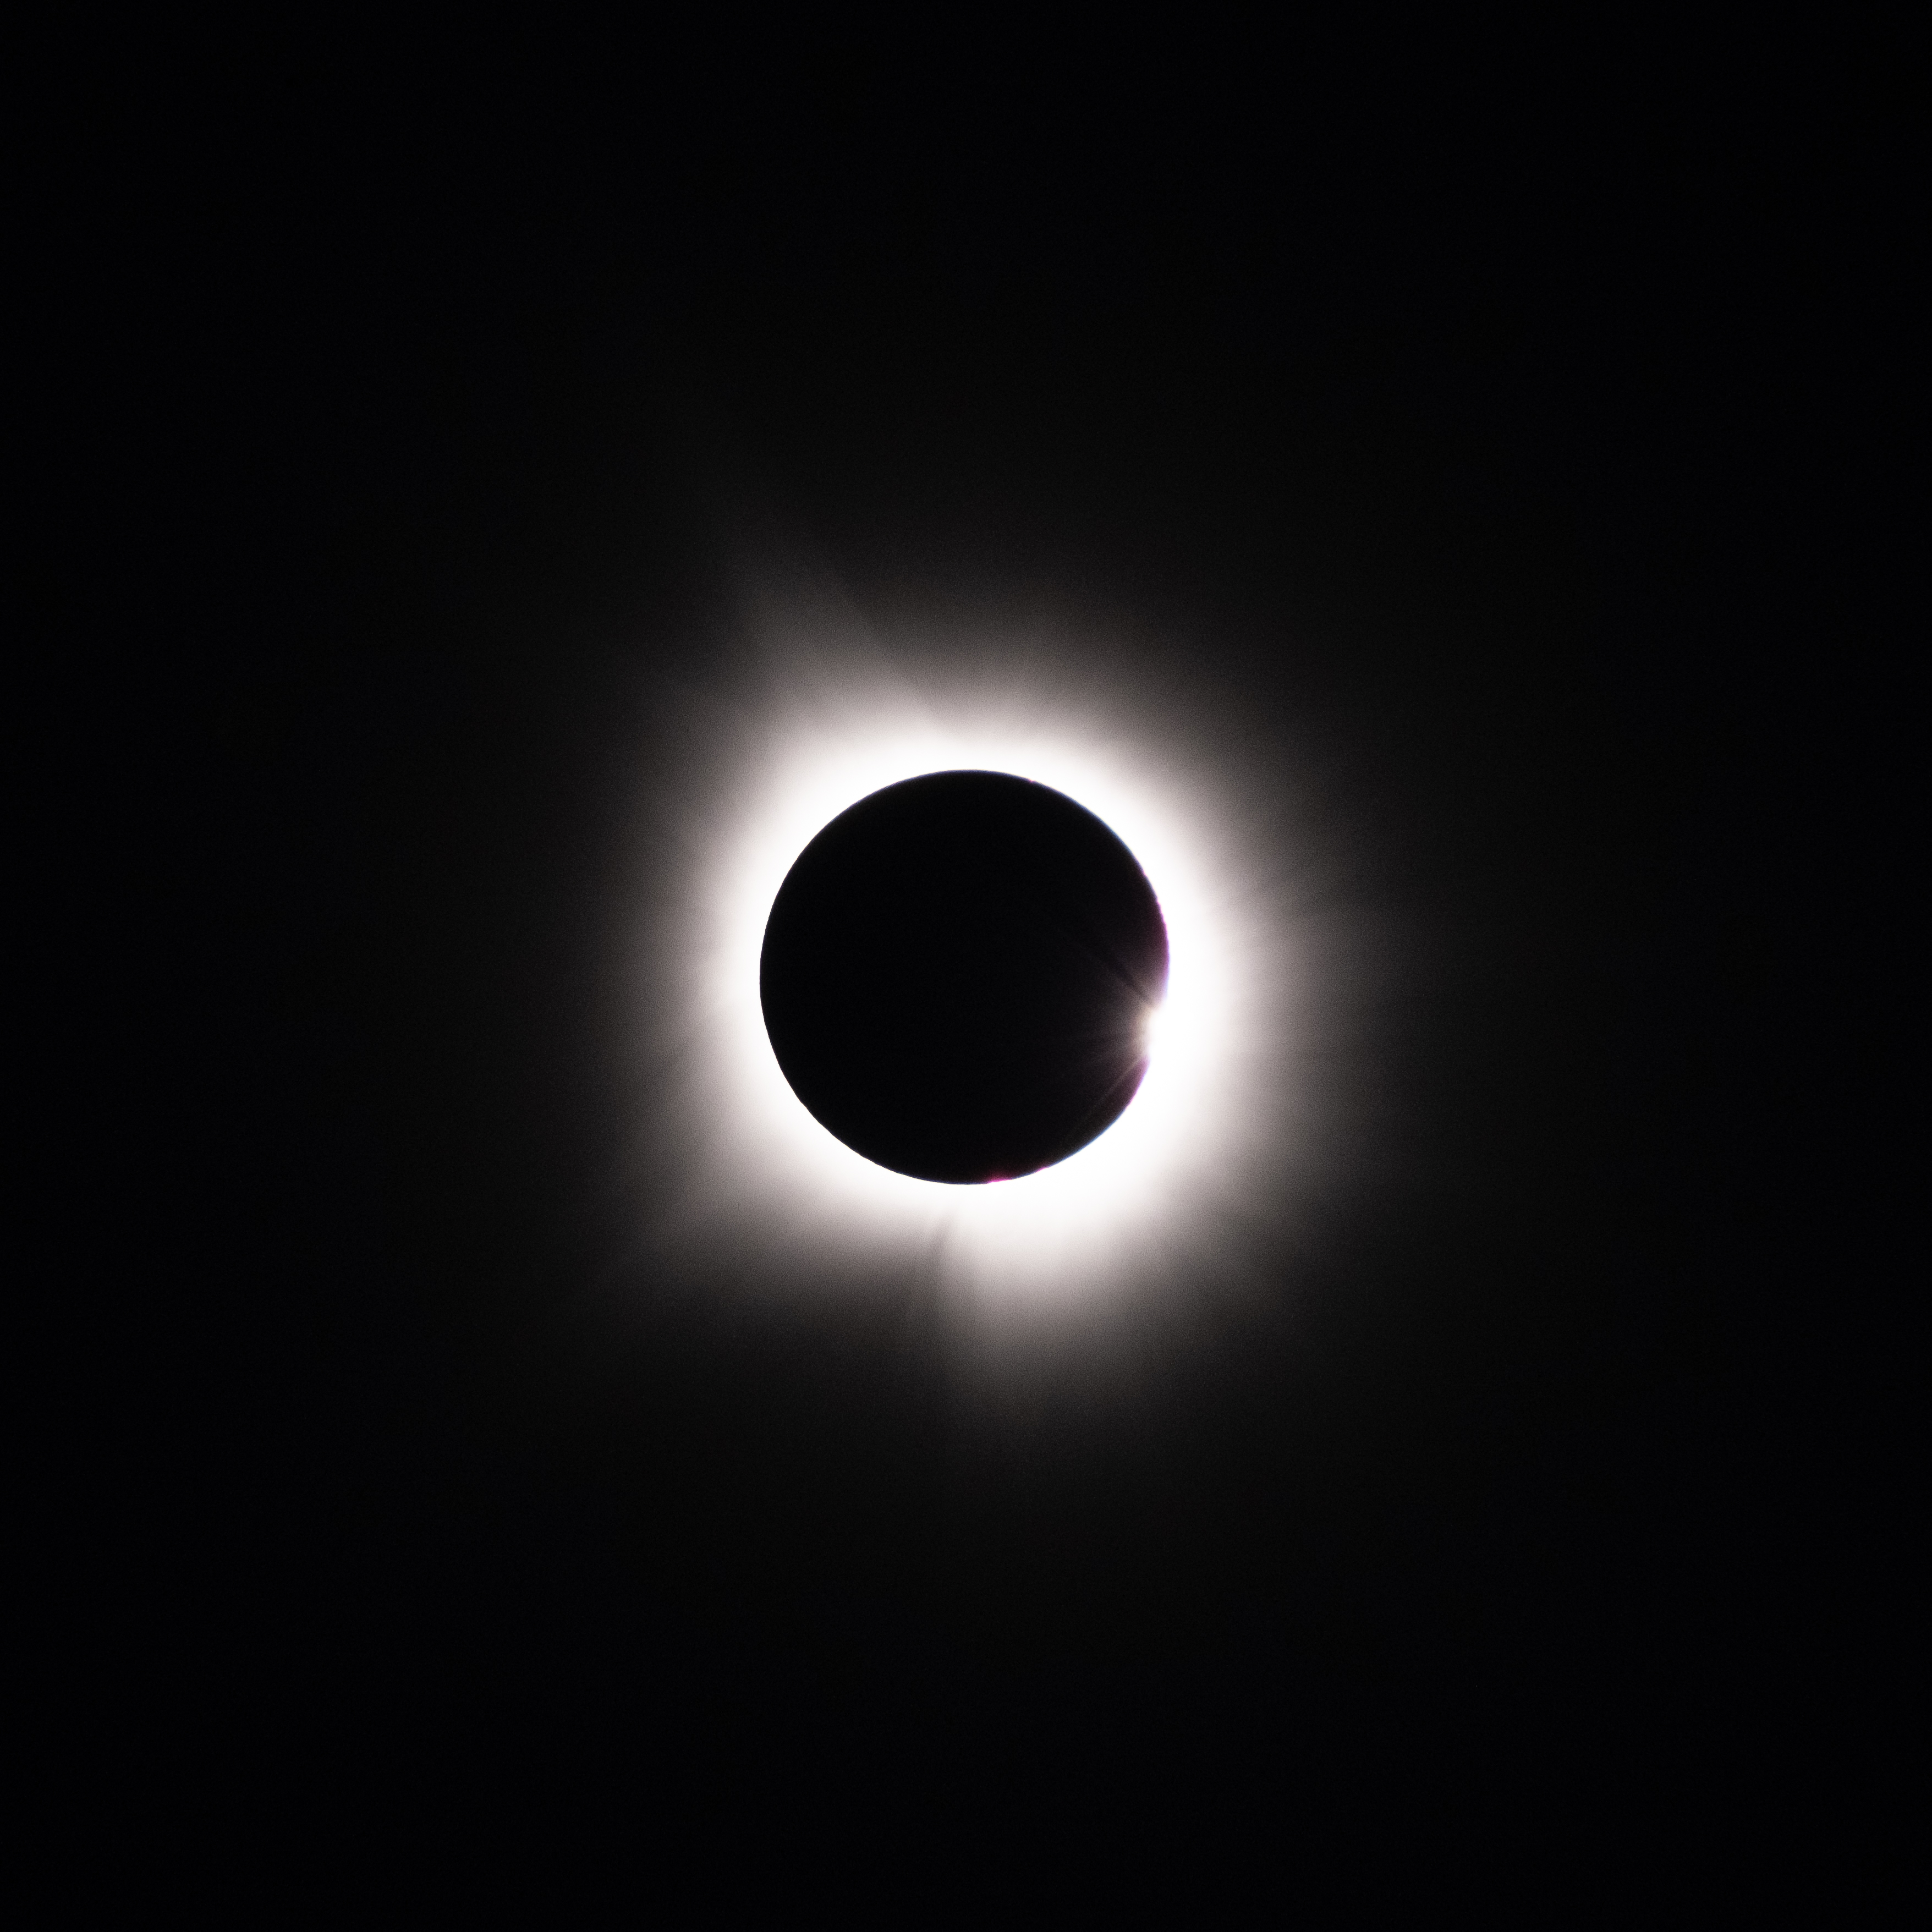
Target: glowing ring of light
[(1138, 1199)]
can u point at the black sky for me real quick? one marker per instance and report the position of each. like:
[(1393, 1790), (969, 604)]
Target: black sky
[(1443, 403)]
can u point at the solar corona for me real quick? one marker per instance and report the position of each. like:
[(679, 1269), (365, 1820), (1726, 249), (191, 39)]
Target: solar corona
[(973, 980)]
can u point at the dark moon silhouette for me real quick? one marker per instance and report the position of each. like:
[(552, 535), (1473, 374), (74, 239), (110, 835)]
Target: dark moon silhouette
[(957, 975)]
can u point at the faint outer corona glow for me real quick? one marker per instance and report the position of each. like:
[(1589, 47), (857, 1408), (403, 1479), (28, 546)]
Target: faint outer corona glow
[(793, 1206)]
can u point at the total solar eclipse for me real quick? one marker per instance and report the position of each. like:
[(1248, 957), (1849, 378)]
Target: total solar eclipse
[(959, 974)]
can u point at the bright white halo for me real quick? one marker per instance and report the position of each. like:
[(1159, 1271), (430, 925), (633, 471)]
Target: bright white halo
[(1206, 1134)]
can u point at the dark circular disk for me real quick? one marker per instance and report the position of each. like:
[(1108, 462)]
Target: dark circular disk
[(957, 975)]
